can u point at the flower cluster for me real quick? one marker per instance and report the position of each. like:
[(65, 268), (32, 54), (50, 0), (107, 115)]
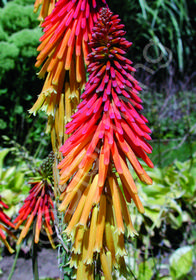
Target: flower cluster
[(63, 53), (46, 8), (108, 133), (37, 207), (4, 224)]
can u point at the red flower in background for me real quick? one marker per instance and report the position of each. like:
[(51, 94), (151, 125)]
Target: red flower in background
[(67, 31), (63, 53), (4, 224), (38, 207), (46, 8), (108, 132)]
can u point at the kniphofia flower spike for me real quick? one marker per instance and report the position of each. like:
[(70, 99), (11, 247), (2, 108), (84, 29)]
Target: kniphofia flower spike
[(63, 54), (37, 207), (47, 7), (5, 223), (108, 132)]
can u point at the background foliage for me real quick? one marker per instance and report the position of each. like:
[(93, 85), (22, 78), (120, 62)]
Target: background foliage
[(169, 24), (19, 85), (163, 52)]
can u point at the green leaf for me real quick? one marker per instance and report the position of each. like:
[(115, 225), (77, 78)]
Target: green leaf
[(3, 124), (179, 40), (8, 196), (27, 41), (143, 7), (3, 154), (154, 215), (146, 269), (15, 17), (66, 277), (3, 35), (18, 109), (9, 172), (181, 262), (8, 55), (175, 222), (18, 182)]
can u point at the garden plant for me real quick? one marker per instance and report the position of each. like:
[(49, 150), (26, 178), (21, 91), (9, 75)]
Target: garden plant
[(97, 196)]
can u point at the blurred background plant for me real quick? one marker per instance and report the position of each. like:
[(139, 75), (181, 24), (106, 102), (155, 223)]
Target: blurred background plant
[(16, 167), (163, 51), (167, 232), (169, 24), (19, 37)]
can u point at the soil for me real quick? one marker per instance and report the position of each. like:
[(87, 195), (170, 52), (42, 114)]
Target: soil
[(47, 266)]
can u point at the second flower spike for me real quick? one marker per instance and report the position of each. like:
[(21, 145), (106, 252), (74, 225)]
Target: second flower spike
[(63, 55)]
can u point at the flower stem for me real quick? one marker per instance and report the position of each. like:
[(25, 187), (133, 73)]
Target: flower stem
[(34, 257), (14, 264)]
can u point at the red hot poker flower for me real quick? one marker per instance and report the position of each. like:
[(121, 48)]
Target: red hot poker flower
[(67, 31), (63, 53), (4, 224), (46, 8), (108, 132), (109, 118), (37, 206)]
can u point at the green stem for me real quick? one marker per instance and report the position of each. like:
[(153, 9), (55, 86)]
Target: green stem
[(14, 264), (159, 147), (134, 277), (34, 256), (35, 261)]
